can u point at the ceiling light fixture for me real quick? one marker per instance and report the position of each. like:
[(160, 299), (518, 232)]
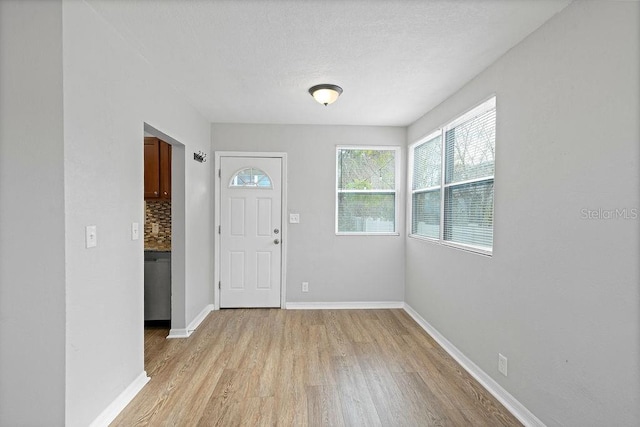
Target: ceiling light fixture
[(325, 94)]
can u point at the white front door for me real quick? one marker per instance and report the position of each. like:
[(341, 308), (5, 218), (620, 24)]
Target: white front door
[(251, 231)]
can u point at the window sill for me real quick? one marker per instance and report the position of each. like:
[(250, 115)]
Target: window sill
[(342, 233), (466, 248)]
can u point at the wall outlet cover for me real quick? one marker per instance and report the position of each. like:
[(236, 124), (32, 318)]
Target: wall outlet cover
[(502, 364), (91, 236)]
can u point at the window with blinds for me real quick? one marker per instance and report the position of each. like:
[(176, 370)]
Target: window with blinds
[(366, 190), (426, 187), (452, 174)]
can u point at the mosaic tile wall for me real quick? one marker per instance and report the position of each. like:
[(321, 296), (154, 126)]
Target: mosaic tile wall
[(158, 212)]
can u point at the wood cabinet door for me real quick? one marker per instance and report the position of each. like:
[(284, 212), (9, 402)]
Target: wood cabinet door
[(165, 170), (151, 168)]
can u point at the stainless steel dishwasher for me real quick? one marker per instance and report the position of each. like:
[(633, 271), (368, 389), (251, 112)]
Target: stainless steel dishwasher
[(157, 285)]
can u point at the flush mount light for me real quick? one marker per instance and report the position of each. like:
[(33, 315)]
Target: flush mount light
[(325, 94)]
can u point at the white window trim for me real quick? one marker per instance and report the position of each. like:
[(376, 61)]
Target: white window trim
[(410, 191), (395, 191)]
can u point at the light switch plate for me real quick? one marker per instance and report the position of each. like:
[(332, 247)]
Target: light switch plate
[(91, 236), (294, 218), (135, 231)]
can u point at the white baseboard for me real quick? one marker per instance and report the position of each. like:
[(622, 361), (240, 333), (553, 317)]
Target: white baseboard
[(358, 305), (178, 333), (186, 333), (123, 399), (518, 410)]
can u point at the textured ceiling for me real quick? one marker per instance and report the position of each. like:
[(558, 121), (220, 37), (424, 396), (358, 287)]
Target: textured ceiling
[(253, 61)]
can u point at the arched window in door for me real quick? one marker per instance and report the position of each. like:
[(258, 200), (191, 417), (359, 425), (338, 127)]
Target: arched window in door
[(250, 177)]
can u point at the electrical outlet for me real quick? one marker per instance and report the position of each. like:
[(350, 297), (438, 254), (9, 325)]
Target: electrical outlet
[(305, 286), (155, 228), (502, 364), (294, 218)]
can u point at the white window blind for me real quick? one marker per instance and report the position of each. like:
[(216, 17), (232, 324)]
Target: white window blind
[(366, 190), (426, 184), (452, 181)]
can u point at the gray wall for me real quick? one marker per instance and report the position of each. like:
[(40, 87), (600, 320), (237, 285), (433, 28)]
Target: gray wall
[(109, 93), (74, 102), (560, 296), (32, 305), (338, 268)]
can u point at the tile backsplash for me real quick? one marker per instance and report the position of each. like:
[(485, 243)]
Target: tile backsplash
[(157, 212)]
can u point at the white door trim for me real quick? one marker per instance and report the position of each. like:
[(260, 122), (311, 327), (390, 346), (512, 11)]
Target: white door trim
[(285, 213)]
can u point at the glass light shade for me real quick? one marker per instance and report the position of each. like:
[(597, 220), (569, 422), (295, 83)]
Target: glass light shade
[(325, 94)]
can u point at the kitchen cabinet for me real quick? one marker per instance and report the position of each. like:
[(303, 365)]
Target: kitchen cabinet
[(157, 286), (157, 169), (151, 168), (165, 170)]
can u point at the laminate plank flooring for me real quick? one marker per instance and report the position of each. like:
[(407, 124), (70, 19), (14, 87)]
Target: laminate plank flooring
[(268, 367)]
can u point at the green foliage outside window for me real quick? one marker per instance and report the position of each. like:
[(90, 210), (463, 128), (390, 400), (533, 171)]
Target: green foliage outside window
[(366, 190)]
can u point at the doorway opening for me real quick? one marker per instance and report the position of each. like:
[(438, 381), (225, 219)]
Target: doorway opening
[(164, 245)]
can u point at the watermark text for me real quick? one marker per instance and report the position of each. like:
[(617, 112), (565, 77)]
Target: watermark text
[(619, 213)]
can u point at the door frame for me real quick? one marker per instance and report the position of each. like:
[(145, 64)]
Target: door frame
[(284, 213)]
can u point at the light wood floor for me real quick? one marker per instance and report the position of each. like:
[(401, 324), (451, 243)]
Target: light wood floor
[(307, 368)]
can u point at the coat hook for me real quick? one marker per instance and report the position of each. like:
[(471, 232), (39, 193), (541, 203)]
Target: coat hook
[(200, 157)]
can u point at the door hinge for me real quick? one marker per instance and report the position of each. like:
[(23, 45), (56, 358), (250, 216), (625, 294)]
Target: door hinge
[(219, 173), (220, 285), (219, 229)]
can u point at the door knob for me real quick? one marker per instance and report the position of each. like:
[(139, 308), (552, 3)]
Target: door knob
[(276, 241), (276, 231)]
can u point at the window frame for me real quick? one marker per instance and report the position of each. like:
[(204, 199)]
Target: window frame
[(396, 191), (443, 186)]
